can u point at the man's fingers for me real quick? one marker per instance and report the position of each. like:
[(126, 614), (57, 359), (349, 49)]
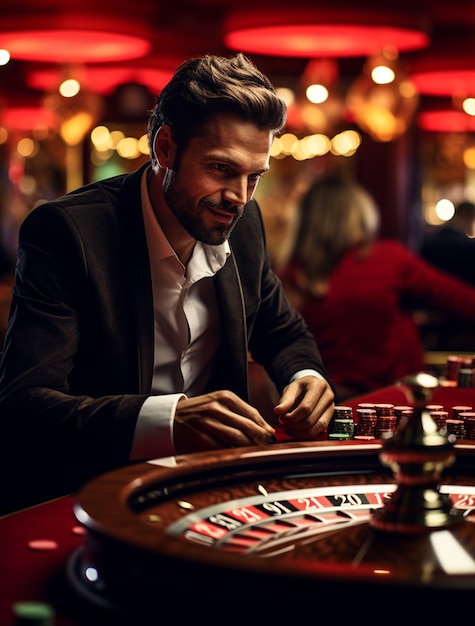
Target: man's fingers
[(223, 419), (306, 408), (223, 405)]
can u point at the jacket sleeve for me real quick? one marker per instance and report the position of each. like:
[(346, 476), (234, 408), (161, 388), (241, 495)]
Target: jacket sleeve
[(68, 407)]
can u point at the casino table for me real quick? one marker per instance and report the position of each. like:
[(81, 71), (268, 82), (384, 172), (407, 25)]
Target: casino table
[(277, 534)]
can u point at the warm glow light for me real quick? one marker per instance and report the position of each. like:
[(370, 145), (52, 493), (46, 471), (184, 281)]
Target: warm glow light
[(116, 137), (316, 93), (73, 129), (445, 209), (382, 75), (101, 138), (69, 88), (27, 147), (287, 141), (318, 144), (143, 145), (378, 121), (385, 108), (287, 95), (468, 106), (346, 143), (276, 148), (469, 158), (128, 148), (105, 142), (298, 152), (4, 57)]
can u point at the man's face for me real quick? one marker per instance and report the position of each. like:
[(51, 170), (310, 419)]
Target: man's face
[(216, 175)]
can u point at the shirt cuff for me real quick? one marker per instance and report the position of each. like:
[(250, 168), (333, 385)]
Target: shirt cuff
[(153, 436), (303, 373)]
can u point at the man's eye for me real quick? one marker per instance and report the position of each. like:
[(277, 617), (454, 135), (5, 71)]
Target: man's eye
[(222, 167), (254, 178)]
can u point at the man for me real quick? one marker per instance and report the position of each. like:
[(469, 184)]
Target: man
[(138, 299)]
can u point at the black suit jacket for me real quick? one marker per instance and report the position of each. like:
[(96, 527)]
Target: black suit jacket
[(78, 355)]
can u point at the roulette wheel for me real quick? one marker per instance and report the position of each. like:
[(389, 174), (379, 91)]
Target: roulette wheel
[(374, 531)]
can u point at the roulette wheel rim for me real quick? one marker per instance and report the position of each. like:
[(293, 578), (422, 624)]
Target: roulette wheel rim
[(129, 554)]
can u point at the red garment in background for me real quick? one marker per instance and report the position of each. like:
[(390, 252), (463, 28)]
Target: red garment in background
[(363, 326)]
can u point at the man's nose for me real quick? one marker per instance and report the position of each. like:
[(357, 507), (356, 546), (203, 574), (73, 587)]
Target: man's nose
[(236, 192)]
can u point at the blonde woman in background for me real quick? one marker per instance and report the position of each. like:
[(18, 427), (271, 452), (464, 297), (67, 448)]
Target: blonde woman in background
[(354, 289)]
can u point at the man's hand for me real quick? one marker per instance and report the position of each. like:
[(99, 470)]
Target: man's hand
[(306, 407), (218, 420)]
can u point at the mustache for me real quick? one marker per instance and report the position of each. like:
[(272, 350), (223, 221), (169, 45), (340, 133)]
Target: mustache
[(228, 207)]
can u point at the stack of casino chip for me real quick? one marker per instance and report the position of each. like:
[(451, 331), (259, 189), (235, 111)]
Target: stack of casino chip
[(455, 429), (457, 425), (469, 423), (386, 420), (380, 420), (342, 424), (366, 423)]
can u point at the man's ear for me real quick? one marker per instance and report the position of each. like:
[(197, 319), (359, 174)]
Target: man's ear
[(165, 146)]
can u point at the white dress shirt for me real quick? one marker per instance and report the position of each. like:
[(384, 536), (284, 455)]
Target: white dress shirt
[(187, 331)]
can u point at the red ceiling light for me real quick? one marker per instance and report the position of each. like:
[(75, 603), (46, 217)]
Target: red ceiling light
[(449, 121), (445, 82), (322, 33), (448, 69), (72, 36), (72, 46)]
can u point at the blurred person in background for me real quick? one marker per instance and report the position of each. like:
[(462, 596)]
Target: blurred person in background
[(355, 290), (451, 248)]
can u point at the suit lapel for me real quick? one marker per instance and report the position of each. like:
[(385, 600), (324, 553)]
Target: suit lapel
[(231, 370)]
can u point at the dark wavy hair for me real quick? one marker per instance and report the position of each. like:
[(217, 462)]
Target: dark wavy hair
[(205, 86)]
